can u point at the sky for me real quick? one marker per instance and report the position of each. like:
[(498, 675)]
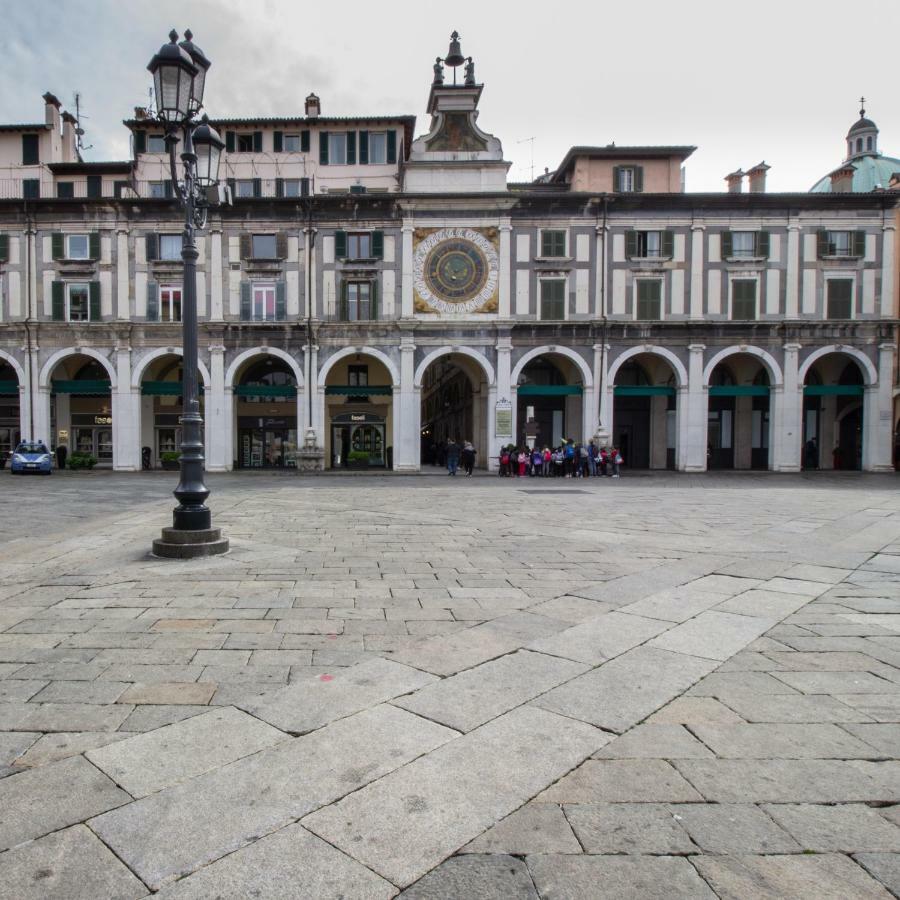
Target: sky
[(773, 81)]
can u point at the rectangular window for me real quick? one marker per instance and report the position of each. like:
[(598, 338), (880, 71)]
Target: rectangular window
[(243, 188), (245, 143), (358, 376), (840, 298), (649, 298), (337, 148), (65, 190), (359, 294), (78, 246), (553, 243), (158, 190), (292, 187), (291, 143), (170, 246), (649, 244), (264, 246), (626, 179), (170, 304), (156, 143), (743, 243), (377, 148), (840, 243), (94, 186), (359, 246), (263, 302), (78, 303), (743, 298), (31, 189), (553, 298), (30, 150)]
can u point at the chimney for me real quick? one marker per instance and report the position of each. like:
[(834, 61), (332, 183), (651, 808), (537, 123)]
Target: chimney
[(735, 182), (69, 148), (51, 111), (842, 179), (313, 107), (757, 176)]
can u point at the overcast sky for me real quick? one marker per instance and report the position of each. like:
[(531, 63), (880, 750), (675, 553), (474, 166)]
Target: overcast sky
[(774, 81)]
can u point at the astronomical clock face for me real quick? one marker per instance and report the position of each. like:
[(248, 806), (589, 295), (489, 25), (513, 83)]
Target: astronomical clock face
[(456, 270)]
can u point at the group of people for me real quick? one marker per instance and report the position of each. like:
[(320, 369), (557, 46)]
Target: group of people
[(457, 453), (568, 460)]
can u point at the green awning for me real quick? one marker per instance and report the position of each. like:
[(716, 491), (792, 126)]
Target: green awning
[(81, 386), (9, 387), (739, 390), (644, 390), (359, 390), (550, 390), (833, 390), (265, 390)]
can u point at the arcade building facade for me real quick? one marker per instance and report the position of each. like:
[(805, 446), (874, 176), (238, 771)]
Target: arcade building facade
[(373, 293)]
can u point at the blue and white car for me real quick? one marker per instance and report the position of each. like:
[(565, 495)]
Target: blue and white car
[(31, 456)]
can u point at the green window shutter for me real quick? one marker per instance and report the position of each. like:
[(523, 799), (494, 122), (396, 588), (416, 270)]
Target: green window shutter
[(378, 244), (392, 146), (140, 142), (152, 301), (152, 241), (839, 298), (631, 244), (257, 142), (762, 244), (279, 187), (57, 245), (638, 179), (727, 245), (94, 244), (617, 179), (304, 187), (94, 186), (821, 243), (246, 246), (649, 298), (59, 301), (323, 148), (668, 244), (280, 301), (229, 141), (278, 141), (4, 247), (168, 190), (859, 244), (373, 300), (281, 250), (246, 301), (364, 148), (340, 244), (257, 187), (304, 141), (95, 301), (351, 148), (344, 312)]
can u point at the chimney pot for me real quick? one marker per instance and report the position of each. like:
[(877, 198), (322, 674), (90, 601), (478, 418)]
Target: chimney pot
[(313, 106), (734, 181)]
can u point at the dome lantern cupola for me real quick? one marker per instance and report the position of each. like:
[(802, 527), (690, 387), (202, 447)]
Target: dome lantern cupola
[(862, 138)]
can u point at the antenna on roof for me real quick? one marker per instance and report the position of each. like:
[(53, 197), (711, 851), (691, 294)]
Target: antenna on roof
[(79, 131), (529, 140)]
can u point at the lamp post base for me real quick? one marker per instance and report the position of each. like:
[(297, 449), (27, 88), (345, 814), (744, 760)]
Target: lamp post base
[(176, 543)]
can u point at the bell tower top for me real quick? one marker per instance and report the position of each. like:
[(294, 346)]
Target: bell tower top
[(862, 138)]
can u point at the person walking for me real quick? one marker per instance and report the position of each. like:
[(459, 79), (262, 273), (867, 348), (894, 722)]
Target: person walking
[(569, 457), (616, 458), (452, 456), (468, 457)]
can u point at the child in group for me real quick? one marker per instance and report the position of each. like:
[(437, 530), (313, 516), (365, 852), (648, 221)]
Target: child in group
[(537, 461), (523, 462)]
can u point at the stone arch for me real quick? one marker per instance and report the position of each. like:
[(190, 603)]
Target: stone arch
[(15, 365), (483, 362), (241, 358), (776, 379), (362, 351), (870, 374), (144, 363), (583, 367), (56, 358), (677, 365)]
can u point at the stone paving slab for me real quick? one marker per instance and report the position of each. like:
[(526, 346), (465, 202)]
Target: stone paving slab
[(648, 828), (793, 708), (42, 800), (182, 828), (406, 823), (495, 877), (655, 741), (713, 635), (732, 828), (534, 828), (61, 745), (71, 863), (883, 866), (846, 828), (783, 741), (621, 781)]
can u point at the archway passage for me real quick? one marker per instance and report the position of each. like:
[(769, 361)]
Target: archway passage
[(644, 413), (81, 408), (549, 402), (359, 415), (162, 398), (9, 410), (265, 412), (833, 392), (738, 417), (453, 408)]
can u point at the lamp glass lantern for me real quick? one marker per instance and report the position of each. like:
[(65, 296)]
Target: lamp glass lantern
[(208, 147), (173, 79), (202, 64)]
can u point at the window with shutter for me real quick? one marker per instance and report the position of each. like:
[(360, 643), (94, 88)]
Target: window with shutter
[(169, 303), (323, 148), (340, 244), (378, 244), (151, 241), (279, 187), (553, 243), (245, 143), (4, 248), (762, 244), (727, 245), (364, 148), (638, 178), (821, 243), (553, 296), (351, 148), (79, 299), (839, 299), (94, 244), (257, 187), (246, 301), (58, 296), (278, 141), (168, 189), (373, 300), (140, 142), (304, 141), (169, 247), (31, 189), (649, 298), (859, 244), (281, 245), (230, 141), (743, 299), (95, 301), (392, 146), (94, 187), (152, 301), (30, 154), (264, 246), (631, 244), (57, 245), (257, 142), (304, 187), (246, 246), (280, 301), (668, 244), (65, 190)]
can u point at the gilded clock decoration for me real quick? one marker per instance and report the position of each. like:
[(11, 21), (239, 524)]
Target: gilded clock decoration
[(456, 270)]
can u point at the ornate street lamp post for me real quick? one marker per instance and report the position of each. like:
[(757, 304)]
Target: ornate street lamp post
[(179, 74)]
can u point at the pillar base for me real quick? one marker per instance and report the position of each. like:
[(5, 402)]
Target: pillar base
[(178, 544)]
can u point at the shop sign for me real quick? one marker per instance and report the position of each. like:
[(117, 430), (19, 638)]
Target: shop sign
[(503, 419), (361, 417), (103, 420)]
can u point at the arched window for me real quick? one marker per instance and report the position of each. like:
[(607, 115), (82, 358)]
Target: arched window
[(859, 145), (868, 143)]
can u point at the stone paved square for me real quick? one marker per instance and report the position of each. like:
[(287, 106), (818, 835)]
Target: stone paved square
[(668, 685)]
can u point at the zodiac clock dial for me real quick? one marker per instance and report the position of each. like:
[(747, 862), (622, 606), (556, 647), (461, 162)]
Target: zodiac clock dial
[(455, 270)]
